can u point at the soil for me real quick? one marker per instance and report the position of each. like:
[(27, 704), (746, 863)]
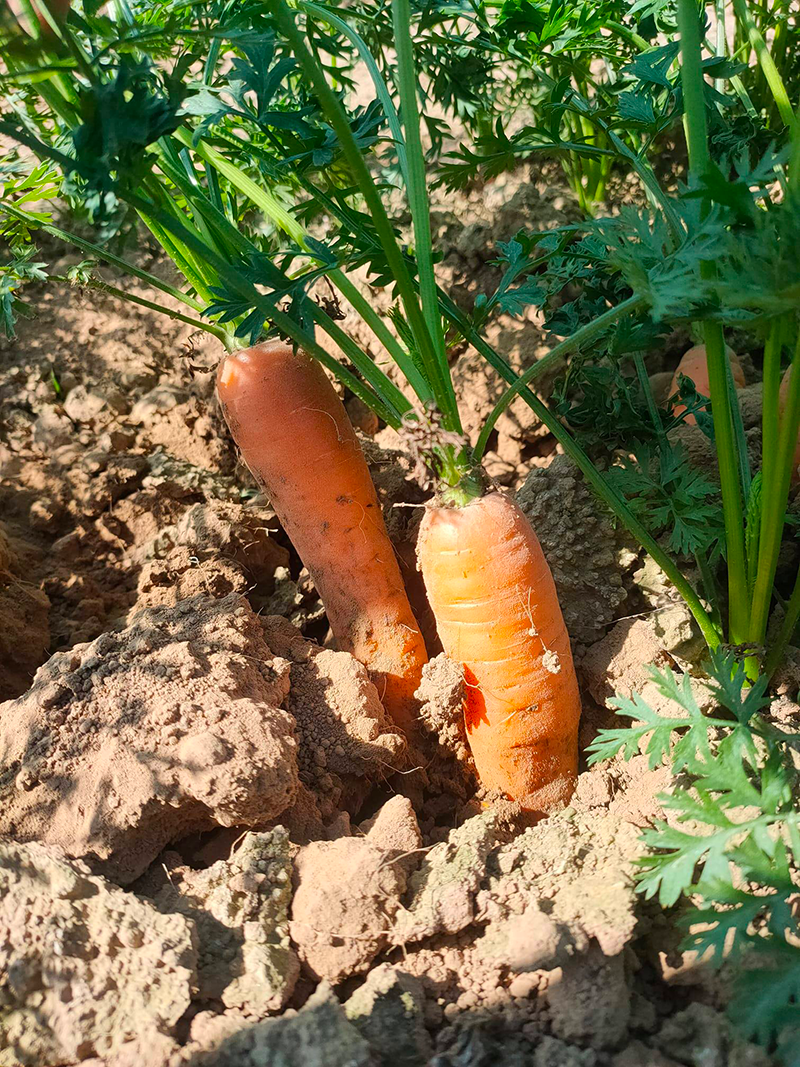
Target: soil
[(216, 849)]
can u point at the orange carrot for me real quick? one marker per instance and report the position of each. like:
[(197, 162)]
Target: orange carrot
[(782, 401), (498, 614), (295, 437), (58, 9), (694, 365)]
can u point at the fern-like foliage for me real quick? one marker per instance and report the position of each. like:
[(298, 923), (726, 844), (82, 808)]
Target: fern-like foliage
[(732, 843)]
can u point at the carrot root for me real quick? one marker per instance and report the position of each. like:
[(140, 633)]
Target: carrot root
[(294, 435), (498, 615)]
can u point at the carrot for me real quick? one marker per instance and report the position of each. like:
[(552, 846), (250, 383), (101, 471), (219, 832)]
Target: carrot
[(58, 9), (694, 365), (782, 401), (294, 435), (498, 615)]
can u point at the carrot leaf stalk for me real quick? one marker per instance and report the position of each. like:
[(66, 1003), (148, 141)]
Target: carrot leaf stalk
[(728, 458)]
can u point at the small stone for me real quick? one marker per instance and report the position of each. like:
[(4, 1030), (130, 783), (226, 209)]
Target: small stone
[(553, 1053), (317, 1036), (640, 1055), (44, 514), (589, 1000), (116, 440), (524, 985), (51, 430), (696, 1036), (83, 406)]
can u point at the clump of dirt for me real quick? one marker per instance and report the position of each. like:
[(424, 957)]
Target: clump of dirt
[(240, 908), (442, 891), (170, 726), (346, 738), (318, 1036), (85, 969), (389, 1011), (441, 713), (183, 426), (346, 896), (212, 548)]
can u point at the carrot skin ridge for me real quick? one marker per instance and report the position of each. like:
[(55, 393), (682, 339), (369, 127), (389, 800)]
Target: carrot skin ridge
[(497, 614), (295, 436)]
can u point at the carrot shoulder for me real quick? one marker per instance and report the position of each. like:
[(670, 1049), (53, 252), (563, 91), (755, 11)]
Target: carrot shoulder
[(498, 615), (295, 437)]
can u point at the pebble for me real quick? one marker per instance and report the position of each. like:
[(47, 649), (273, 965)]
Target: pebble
[(523, 985), (83, 406)]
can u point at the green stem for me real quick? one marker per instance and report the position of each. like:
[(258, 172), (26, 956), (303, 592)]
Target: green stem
[(181, 256), (369, 371), (738, 433), (242, 287), (111, 290), (773, 508), (710, 588), (770, 395), (262, 198), (417, 186), (370, 316), (730, 477), (650, 400), (397, 265), (766, 62), (629, 35), (583, 336), (720, 43)]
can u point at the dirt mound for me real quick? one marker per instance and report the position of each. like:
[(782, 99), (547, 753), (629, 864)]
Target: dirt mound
[(170, 726), (85, 969)]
